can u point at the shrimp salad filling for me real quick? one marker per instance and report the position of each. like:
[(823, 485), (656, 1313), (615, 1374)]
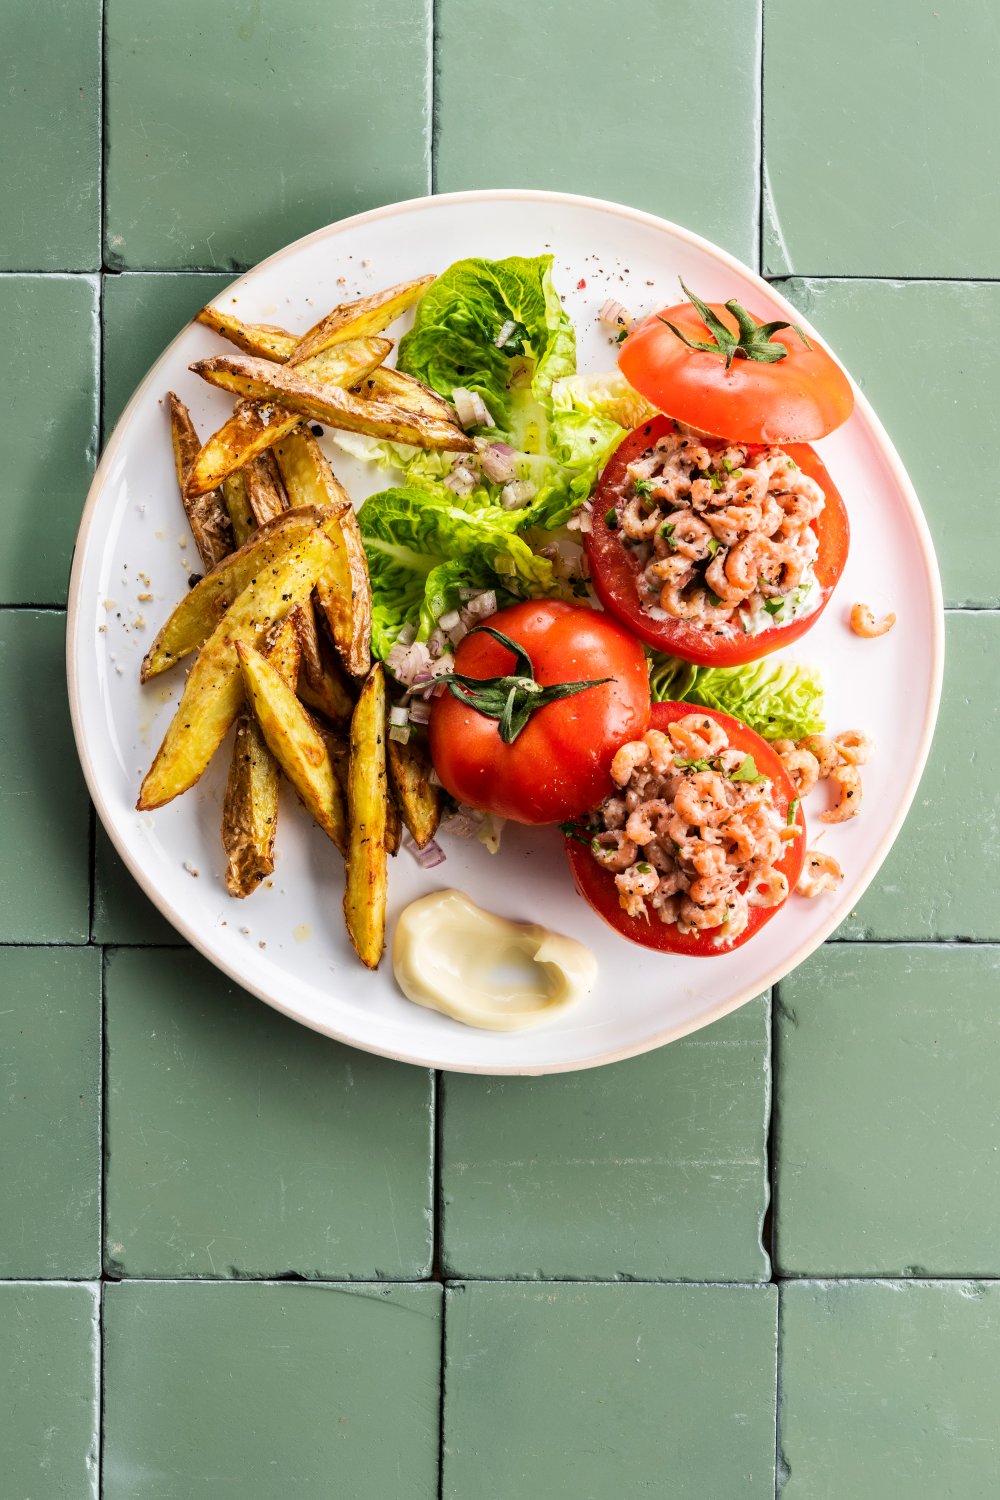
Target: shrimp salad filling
[(693, 833), (723, 533)]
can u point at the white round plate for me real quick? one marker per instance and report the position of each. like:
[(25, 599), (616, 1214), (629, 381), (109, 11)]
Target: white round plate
[(287, 943)]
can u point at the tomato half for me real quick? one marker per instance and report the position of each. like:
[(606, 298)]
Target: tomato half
[(597, 886), (796, 399), (559, 763), (615, 571)]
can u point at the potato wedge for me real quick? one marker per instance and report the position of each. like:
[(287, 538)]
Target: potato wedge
[(253, 428), (236, 494), (206, 513), (412, 395), (213, 692), (250, 809), (366, 315), (321, 401), (367, 873), (200, 611), (409, 777), (253, 338), (265, 489), (321, 685), (295, 742), (393, 826), (344, 593)]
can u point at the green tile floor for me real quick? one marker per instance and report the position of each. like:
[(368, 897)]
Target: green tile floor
[(240, 1262)]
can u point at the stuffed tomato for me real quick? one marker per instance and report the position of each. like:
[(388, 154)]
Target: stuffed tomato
[(700, 839), (713, 551)]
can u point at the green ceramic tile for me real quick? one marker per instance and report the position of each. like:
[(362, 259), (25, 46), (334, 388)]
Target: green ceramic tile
[(889, 1389), (143, 313), (941, 879), (600, 1392), (924, 351), (49, 1357), (868, 123), (45, 887), (900, 1179), (233, 128), (654, 1168), (557, 103), (123, 913), (50, 1112), (50, 114), (241, 1144), (48, 429), (263, 1391)]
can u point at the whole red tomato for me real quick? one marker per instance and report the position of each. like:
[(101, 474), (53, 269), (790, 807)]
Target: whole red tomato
[(597, 885), (557, 762), (744, 392), (615, 571)]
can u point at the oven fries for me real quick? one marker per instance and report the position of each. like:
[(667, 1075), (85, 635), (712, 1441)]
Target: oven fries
[(316, 397), (344, 592), (410, 778), (250, 809), (279, 628), (367, 873), (206, 513), (295, 743), (214, 688)]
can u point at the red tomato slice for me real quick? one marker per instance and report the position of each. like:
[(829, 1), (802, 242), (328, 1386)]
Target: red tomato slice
[(597, 886), (614, 570), (796, 399)]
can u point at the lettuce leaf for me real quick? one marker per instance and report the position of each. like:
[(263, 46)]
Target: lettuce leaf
[(453, 342), (781, 700), (606, 397), (424, 546)]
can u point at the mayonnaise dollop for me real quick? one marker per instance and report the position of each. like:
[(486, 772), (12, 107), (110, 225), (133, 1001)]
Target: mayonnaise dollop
[(484, 970)]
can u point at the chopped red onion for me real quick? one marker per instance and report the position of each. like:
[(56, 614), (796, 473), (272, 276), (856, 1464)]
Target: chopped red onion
[(436, 642), (505, 333), (461, 825), (400, 733), (429, 857), (435, 779), (419, 711), (406, 662), (449, 619), (499, 462), (483, 604), (399, 714), (517, 494), (458, 632), (615, 315), (406, 636), (461, 481), (470, 408)]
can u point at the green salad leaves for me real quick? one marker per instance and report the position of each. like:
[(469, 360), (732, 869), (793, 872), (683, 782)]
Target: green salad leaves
[(781, 700), (423, 547)]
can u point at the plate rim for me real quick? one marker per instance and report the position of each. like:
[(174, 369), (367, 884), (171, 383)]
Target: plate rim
[(899, 475)]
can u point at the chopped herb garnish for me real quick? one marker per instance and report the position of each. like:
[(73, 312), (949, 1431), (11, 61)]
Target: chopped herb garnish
[(611, 519), (793, 810), (747, 771), (716, 481), (792, 464), (702, 764), (582, 832), (667, 532), (644, 868), (642, 486), (773, 606), (713, 599), (622, 335), (713, 546)]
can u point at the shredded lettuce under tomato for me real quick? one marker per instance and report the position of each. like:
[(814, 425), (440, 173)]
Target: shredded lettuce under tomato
[(780, 700)]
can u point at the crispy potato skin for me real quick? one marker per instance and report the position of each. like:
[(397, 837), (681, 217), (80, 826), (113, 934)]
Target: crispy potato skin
[(256, 426), (213, 692), (206, 513), (321, 684), (200, 611), (367, 799), (367, 315), (321, 401), (409, 775), (295, 742), (250, 809), (344, 592)]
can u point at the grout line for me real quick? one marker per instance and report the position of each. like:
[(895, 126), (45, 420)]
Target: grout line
[(441, 1393), (112, 944), (435, 103), (105, 1093), (779, 1462), (760, 146), (102, 1390)]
